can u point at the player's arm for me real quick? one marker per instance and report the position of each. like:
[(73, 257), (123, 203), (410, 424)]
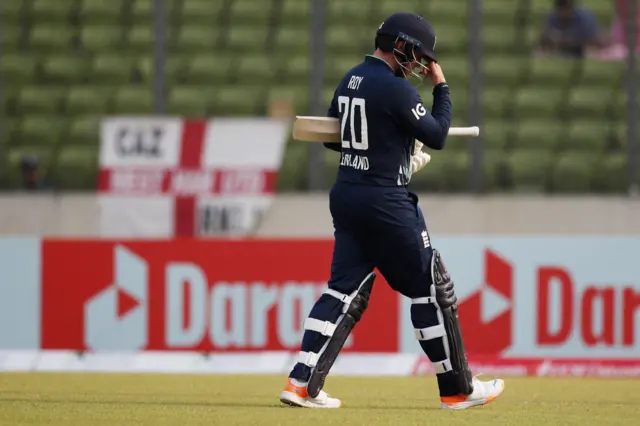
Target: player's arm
[(335, 113), (430, 128)]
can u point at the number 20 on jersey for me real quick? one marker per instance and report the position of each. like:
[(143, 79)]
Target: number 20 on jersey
[(348, 107)]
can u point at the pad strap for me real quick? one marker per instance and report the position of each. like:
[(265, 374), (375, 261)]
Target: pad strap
[(309, 359), (423, 300), (326, 328), (430, 333), (344, 298), (441, 367)]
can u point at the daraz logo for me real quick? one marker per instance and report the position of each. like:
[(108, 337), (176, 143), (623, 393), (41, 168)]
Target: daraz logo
[(116, 318), (485, 316)]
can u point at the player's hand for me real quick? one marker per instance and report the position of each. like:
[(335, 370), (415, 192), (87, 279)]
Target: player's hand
[(419, 160), (435, 73)]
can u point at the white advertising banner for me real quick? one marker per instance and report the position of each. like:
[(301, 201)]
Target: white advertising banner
[(165, 177)]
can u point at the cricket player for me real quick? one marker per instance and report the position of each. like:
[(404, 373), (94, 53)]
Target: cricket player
[(378, 223)]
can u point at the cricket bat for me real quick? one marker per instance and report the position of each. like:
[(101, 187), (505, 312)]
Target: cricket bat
[(327, 129)]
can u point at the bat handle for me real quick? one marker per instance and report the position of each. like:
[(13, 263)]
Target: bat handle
[(464, 131)]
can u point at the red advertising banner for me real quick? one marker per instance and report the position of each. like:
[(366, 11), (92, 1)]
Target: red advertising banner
[(195, 295), (526, 301), (528, 306)]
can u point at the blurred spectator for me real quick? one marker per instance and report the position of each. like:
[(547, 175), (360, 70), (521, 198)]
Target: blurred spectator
[(618, 47), (570, 31), (32, 176)]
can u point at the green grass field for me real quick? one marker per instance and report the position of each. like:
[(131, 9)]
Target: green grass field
[(119, 400)]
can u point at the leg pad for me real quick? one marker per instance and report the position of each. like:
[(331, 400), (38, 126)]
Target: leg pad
[(448, 305), (355, 305)]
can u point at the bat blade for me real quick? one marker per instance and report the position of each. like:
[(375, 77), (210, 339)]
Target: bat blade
[(316, 129)]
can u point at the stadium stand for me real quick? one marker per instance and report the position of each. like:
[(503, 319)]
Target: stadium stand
[(66, 63)]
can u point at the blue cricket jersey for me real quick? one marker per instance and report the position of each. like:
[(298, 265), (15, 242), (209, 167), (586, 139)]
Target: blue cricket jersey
[(381, 115)]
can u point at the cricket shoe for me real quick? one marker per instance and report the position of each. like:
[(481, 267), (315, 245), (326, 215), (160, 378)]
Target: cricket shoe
[(295, 394), (483, 393)]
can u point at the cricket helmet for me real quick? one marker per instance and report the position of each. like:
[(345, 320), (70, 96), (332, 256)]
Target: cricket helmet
[(412, 28)]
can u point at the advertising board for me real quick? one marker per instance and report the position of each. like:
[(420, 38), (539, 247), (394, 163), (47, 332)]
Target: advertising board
[(543, 306)]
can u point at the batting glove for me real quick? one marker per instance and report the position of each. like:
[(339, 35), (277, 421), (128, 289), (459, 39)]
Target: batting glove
[(417, 147), (419, 160)]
